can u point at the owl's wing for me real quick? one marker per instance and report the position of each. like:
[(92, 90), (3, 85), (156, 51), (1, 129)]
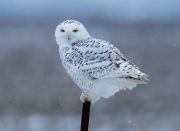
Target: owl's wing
[(100, 60)]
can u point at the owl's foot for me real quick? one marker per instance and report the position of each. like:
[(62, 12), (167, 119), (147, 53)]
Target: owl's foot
[(84, 97)]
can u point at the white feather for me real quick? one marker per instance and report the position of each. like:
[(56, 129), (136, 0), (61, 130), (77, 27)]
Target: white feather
[(108, 87)]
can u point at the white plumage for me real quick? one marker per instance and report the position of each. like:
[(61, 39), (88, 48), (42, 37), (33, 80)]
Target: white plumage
[(96, 66)]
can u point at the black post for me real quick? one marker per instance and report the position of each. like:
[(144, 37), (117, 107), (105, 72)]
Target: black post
[(85, 116)]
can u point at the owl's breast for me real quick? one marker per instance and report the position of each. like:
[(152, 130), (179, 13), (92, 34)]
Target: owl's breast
[(63, 49)]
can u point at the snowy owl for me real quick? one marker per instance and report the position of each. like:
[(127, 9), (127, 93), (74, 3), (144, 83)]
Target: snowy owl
[(95, 65)]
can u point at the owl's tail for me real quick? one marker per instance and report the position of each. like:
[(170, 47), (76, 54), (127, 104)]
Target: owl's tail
[(108, 87)]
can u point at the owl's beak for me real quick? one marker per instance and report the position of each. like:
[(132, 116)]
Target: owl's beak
[(69, 37)]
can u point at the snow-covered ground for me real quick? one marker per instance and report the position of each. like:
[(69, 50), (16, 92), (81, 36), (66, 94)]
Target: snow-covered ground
[(103, 122)]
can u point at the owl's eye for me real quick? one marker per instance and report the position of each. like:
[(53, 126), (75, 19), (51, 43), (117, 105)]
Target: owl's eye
[(75, 30), (62, 30)]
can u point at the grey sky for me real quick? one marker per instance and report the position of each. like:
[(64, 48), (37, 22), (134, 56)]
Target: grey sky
[(141, 10)]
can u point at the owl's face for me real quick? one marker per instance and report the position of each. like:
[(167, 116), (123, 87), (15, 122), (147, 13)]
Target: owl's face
[(69, 32)]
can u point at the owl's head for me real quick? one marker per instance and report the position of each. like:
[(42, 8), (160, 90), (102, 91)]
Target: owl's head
[(69, 32)]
